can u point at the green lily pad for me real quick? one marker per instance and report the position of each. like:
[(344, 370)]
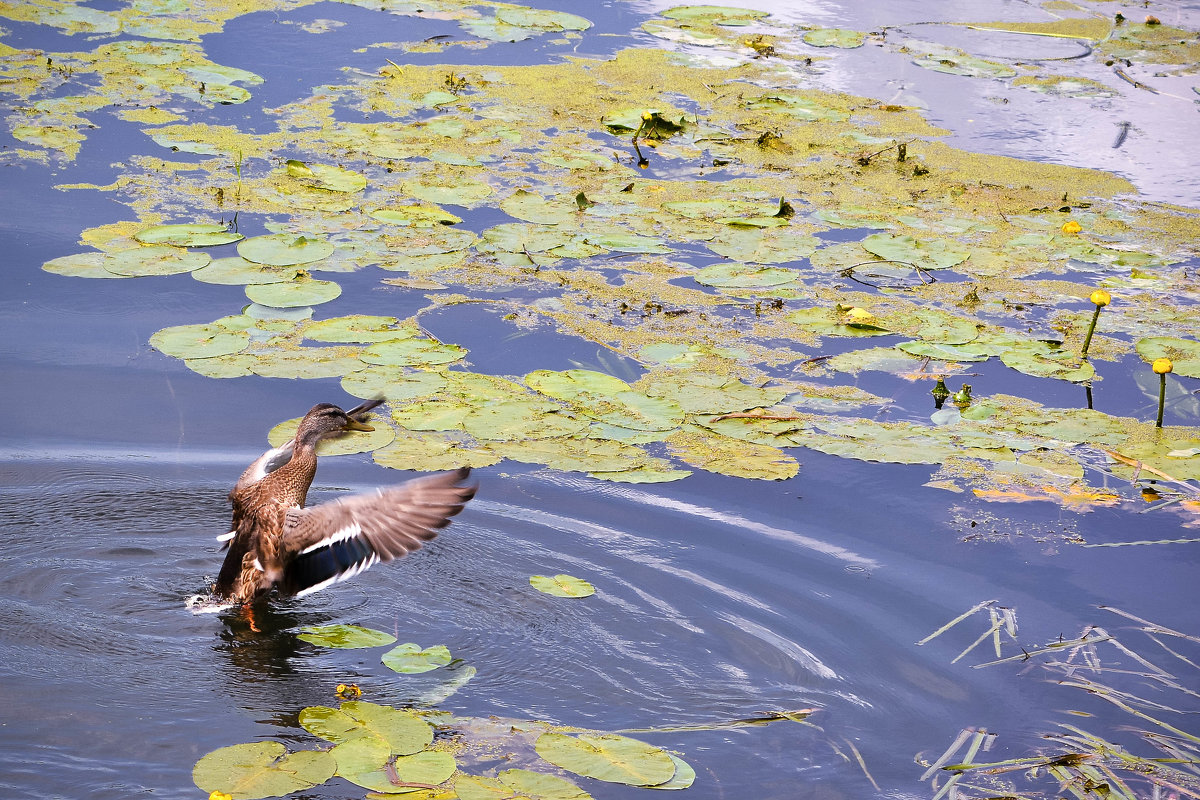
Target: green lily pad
[(188, 235), (924, 253), (715, 15), (450, 191), (835, 37), (532, 207), (284, 249), (415, 351), (430, 768), (154, 260), (416, 216), (763, 246), (360, 328), (261, 769), (729, 456), (541, 19), (81, 265), (394, 383), (684, 776), (953, 61), (1044, 360), (297, 293), (345, 636), (199, 341), (562, 585), (410, 659), (237, 271), (745, 276), (607, 399), (607, 757), (401, 731), (307, 362), (1184, 353), (330, 178)]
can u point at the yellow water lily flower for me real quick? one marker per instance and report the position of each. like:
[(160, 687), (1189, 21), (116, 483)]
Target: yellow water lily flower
[(1100, 297), (1071, 226), (1162, 366)]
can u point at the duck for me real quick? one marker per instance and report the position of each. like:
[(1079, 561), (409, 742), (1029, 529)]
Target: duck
[(278, 545)]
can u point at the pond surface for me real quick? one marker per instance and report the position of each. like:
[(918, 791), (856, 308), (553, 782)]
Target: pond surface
[(718, 598)]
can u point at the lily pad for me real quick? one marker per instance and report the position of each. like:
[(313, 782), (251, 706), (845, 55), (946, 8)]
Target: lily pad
[(360, 328), (345, 636), (520, 783), (334, 179), (410, 659), (284, 249), (188, 235), (237, 271), (1184, 353), (261, 769), (199, 341), (415, 351), (154, 260), (562, 585), (715, 15), (924, 253), (297, 293), (429, 768), (835, 37), (745, 276), (612, 758), (401, 731)]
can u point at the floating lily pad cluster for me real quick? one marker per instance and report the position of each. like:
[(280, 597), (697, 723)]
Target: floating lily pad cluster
[(737, 272), (390, 750), (426, 753)]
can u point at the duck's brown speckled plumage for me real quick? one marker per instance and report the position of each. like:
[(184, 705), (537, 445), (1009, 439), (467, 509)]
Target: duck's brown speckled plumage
[(277, 543)]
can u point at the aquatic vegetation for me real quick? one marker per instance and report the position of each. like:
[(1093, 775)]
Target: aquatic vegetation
[(964, 259), (393, 750), (562, 585), (1125, 669)]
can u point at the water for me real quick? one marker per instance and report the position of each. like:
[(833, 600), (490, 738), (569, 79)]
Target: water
[(718, 598)]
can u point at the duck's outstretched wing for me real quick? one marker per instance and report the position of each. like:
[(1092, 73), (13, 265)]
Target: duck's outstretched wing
[(336, 540)]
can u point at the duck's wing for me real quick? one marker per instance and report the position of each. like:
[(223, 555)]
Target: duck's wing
[(336, 540)]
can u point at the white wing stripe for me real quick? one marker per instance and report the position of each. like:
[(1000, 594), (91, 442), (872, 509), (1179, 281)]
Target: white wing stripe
[(348, 532)]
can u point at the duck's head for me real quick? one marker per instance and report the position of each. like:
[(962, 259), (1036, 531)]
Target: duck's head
[(326, 420)]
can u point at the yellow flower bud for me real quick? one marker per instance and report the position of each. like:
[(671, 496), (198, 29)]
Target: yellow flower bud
[(1101, 297), (647, 116), (1162, 366), (217, 794), (341, 687), (1071, 226)]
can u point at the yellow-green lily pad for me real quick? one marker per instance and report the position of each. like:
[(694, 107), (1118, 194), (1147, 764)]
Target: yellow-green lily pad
[(345, 636), (562, 585), (284, 249), (401, 731), (1184, 353), (188, 235), (261, 769), (410, 659), (199, 341), (607, 757), (297, 293), (154, 260)]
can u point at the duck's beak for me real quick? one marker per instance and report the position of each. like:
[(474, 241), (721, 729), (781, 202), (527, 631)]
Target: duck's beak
[(358, 415)]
